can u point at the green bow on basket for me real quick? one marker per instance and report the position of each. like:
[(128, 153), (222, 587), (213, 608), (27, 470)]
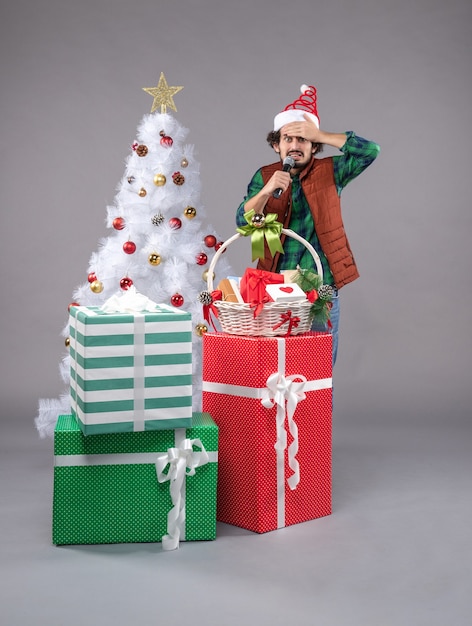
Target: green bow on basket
[(265, 227)]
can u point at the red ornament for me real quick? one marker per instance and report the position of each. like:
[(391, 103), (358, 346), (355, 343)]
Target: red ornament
[(129, 247), (91, 277), (166, 141), (177, 300), (175, 223), (218, 246), (201, 258), (118, 223), (135, 145), (125, 283), (210, 241), (72, 304)]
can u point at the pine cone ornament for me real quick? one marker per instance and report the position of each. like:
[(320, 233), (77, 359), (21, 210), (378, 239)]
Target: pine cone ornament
[(157, 219), (178, 178), (325, 292), (205, 298), (142, 150)]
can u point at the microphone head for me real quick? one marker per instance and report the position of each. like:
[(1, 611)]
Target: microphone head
[(288, 163)]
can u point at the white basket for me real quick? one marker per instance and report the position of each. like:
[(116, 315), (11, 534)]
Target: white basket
[(237, 318)]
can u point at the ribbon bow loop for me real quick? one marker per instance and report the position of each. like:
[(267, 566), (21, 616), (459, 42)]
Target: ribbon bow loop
[(269, 231), (285, 392), (129, 301), (258, 305), (292, 320), (181, 461), (208, 309)]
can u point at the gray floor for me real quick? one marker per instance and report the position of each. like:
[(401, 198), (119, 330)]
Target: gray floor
[(395, 552)]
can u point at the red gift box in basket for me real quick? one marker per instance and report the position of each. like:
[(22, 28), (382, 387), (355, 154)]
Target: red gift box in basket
[(253, 287), (272, 318)]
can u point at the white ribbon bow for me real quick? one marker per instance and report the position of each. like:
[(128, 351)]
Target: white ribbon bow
[(281, 390), (129, 301), (182, 462)]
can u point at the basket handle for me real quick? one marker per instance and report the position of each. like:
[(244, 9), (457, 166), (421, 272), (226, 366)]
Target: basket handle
[(285, 231)]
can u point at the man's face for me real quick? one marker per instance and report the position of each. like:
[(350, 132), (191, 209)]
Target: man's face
[(298, 148)]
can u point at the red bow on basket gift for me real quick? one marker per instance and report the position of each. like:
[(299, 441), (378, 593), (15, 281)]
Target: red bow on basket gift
[(258, 305), (293, 322), (210, 308)]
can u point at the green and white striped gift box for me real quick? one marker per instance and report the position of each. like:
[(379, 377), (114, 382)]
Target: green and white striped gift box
[(107, 490), (130, 371)]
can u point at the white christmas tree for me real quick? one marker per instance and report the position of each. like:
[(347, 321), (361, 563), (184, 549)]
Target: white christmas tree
[(159, 243)]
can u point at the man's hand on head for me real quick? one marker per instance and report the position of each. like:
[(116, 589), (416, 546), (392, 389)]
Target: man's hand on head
[(306, 129)]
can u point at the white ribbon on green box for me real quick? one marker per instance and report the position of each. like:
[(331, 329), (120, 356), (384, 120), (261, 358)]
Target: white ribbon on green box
[(181, 461), (131, 370), (284, 392)]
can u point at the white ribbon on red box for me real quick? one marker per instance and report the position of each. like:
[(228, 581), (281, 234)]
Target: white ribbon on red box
[(281, 391), (285, 393)]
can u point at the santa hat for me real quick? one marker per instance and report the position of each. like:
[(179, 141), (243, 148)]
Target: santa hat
[(295, 111)]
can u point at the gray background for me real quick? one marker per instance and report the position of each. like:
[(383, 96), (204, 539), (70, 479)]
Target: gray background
[(398, 72)]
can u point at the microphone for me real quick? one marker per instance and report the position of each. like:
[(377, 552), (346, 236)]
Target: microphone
[(288, 163)]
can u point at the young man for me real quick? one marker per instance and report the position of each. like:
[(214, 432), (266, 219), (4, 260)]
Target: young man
[(310, 200)]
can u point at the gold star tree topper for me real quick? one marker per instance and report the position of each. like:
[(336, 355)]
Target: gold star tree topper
[(163, 95)]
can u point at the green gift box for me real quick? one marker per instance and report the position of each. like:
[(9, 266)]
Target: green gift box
[(130, 371), (135, 487)]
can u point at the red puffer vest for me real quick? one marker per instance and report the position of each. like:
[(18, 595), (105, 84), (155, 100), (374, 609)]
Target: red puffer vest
[(317, 181)]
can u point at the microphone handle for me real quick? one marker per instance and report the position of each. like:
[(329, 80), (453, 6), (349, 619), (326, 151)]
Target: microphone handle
[(277, 193), (287, 166)]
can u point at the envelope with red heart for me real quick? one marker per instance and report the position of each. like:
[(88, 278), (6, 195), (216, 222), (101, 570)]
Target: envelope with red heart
[(286, 292)]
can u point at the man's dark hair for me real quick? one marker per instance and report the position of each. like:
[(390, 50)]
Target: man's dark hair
[(274, 138)]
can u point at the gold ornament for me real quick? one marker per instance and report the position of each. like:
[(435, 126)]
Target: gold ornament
[(201, 329), (96, 286), (205, 275), (190, 212), (159, 180), (67, 342), (142, 192), (184, 162), (163, 95), (258, 220), (154, 258)]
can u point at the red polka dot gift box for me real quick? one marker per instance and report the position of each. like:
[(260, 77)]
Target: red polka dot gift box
[(146, 486), (271, 398)]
